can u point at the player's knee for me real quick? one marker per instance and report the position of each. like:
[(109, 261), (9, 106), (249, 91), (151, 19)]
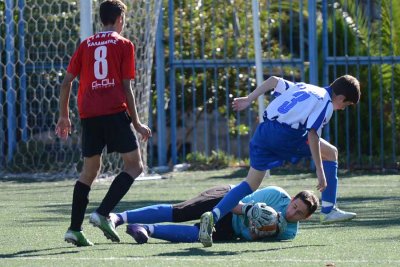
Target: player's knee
[(331, 154), (134, 170), (87, 176), (336, 153)]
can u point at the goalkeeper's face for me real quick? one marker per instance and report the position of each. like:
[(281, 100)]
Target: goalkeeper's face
[(296, 211)]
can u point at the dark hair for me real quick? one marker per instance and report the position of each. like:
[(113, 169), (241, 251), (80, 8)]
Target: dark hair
[(348, 86), (310, 199), (110, 10)]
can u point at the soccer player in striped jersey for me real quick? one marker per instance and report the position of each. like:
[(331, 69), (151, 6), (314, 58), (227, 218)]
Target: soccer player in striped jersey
[(105, 64), (291, 130), (143, 222)]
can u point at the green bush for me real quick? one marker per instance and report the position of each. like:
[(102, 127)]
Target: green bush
[(200, 161)]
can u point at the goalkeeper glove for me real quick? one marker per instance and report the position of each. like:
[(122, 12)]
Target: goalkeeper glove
[(245, 208), (260, 214)]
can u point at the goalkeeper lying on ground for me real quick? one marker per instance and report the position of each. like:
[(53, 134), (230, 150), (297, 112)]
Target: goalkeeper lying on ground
[(268, 213)]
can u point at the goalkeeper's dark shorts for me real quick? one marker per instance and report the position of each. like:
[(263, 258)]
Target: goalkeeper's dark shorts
[(113, 131), (192, 209)]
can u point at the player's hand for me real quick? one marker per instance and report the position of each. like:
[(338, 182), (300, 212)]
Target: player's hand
[(144, 131), (321, 180), (240, 103), (63, 128)]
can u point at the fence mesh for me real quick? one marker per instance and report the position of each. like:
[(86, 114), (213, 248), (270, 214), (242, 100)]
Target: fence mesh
[(36, 42)]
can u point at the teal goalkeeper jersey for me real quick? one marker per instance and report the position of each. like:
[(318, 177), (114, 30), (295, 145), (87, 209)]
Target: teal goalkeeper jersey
[(274, 197)]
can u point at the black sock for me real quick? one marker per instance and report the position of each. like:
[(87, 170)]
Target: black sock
[(119, 187), (79, 204)]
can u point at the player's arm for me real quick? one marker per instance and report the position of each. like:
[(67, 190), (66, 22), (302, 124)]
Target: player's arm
[(238, 209), (241, 103), (63, 127), (142, 129), (254, 234), (313, 140)]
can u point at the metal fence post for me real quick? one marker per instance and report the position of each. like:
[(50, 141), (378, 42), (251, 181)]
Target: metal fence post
[(10, 81), (86, 19), (172, 81), (160, 85), (312, 41)]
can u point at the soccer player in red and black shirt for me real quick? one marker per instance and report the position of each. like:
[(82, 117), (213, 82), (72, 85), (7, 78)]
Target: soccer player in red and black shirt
[(105, 64)]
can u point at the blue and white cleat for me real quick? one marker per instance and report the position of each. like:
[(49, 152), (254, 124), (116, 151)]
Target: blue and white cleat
[(336, 215)]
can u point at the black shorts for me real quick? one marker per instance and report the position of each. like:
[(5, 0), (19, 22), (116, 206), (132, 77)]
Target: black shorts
[(192, 209), (114, 131)]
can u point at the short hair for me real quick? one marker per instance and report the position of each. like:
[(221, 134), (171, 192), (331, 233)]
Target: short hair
[(348, 86), (110, 10), (310, 199)]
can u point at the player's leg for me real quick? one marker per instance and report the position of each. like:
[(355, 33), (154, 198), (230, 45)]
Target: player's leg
[(329, 212), (122, 182), (150, 214), (179, 233), (261, 160), (169, 232), (119, 137), (92, 146), (252, 182), (91, 166), (209, 219), (193, 208), (329, 156), (188, 210), (119, 187)]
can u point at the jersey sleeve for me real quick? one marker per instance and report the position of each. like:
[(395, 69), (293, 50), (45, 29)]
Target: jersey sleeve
[(281, 87), (128, 62), (320, 116), (75, 64)]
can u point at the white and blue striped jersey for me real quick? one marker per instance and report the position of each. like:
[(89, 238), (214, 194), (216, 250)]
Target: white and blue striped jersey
[(275, 197), (300, 105)]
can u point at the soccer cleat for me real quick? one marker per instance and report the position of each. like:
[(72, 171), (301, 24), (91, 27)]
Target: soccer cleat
[(336, 215), (77, 238), (206, 229), (138, 232), (106, 225)]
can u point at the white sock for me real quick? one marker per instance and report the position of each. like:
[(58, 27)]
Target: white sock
[(124, 216), (217, 213), (326, 204), (150, 228)]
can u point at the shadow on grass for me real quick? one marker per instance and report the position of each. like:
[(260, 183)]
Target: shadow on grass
[(208, 252), (44, 252)]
